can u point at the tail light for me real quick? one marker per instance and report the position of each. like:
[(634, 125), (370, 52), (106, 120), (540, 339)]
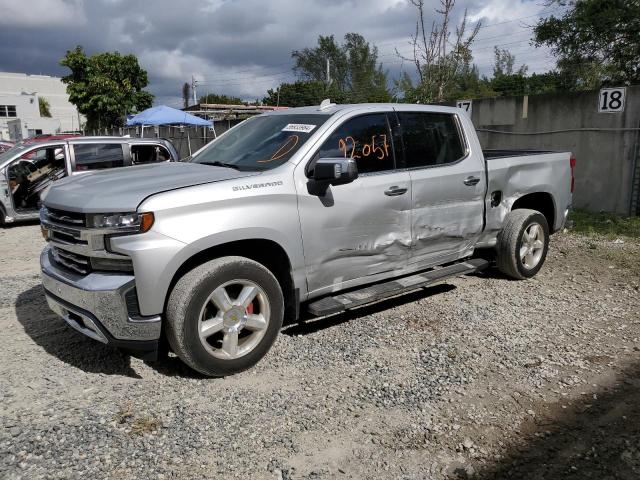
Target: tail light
[(572, 164)]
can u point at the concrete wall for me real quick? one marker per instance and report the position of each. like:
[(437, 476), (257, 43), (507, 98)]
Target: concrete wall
[(608, 158), (19, 128)]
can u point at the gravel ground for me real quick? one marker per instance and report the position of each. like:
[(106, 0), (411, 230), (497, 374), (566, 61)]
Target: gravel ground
[(481, 377)]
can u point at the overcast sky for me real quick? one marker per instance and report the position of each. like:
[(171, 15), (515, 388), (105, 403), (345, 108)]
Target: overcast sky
[(240, 47)]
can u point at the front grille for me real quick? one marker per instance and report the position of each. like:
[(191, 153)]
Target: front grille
[(70, 261), (69, 219), (64, 227), (66, 238)]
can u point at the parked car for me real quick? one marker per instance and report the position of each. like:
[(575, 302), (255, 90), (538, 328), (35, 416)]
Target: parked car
[(316, 209), (4, 146), (28, 168)]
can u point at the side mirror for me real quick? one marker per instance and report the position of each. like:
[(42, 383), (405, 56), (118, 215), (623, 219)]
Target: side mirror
[(335, 171)]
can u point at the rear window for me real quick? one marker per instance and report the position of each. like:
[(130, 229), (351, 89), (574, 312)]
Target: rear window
[(95, 156), (141, 154), (430, 139)]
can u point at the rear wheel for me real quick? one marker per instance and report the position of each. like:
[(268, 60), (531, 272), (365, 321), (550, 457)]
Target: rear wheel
[(224, 315), (523, 244)]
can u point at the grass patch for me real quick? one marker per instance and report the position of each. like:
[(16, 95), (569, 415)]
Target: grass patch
[(606, 224), (140, 426), (124, 413)]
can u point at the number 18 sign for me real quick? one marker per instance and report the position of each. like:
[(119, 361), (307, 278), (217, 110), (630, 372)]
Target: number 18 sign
[(611, 100)]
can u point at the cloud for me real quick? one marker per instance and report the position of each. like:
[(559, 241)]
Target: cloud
[(238, 47), (60, 13)]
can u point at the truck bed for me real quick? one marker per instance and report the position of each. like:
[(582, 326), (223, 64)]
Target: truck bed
[(490, 154), (516, 173)]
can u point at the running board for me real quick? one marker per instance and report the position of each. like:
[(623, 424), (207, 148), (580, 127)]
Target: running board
[(380, 291)]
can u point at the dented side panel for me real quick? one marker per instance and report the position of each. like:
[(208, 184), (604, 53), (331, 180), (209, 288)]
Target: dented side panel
[(515, 177), (447, 214), (354, 232)]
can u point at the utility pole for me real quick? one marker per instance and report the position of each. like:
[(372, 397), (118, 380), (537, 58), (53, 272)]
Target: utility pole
[(193, 89), (278, 101), (328, 73)]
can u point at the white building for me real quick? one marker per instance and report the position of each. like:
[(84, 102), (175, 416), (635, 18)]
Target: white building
[(19, 94), (20, 118)]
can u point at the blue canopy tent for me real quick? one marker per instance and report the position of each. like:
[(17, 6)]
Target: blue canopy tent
[(163, 115)]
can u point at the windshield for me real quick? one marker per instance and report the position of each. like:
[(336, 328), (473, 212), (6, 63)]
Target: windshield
[(13, 151), (261, 143)]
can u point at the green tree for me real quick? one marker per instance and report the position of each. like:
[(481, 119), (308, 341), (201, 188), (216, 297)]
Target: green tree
[(221, 99), (299, 94), (354, 72), (504, 63), (45, 108), (596, 41), (105, 87)]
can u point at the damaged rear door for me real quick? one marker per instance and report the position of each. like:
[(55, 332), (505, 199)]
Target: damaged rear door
[(448, 187), (358, 232)]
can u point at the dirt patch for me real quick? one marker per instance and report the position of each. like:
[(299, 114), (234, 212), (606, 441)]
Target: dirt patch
[(483, 377)]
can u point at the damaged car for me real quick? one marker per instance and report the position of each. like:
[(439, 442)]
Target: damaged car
[(306, 211), (29, 168)]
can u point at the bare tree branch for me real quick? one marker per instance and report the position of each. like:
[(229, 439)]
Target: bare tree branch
[(438, 66)]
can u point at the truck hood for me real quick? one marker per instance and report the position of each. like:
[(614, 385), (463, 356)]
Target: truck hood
[(123, 189)]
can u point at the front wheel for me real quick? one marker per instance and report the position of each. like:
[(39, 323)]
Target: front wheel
[(522, 244), (224, 315)]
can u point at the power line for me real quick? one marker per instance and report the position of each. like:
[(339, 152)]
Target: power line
[(539, 14)]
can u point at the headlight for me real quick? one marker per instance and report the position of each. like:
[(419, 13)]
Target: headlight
[(125, 222)]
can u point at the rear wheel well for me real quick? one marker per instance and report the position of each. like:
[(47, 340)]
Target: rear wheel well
[(540, 201), (265, 252)]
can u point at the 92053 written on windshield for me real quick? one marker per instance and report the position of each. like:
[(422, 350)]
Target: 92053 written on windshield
[(378, 147)]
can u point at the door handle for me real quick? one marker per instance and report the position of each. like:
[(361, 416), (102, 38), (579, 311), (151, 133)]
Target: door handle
[(471, 181), (395, 191)]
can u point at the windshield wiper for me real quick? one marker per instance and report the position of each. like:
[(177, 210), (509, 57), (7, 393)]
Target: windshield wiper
[(222, 164)]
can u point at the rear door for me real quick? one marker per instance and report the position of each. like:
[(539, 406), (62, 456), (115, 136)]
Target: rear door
[(448, 186), (358, 232)]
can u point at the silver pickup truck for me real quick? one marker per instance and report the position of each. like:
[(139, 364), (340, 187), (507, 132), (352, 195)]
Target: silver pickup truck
[(28, 168), (315, 210)]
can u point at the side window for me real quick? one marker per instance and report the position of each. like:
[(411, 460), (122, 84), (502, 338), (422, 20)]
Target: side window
[(141, 154), (367, 139), (94, 156), (430, 139)]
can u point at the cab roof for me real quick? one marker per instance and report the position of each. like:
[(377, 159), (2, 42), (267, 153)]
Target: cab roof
[(333, 108)]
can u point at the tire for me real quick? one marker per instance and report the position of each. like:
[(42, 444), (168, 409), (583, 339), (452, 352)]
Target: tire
[(513, 258), (202, 322)]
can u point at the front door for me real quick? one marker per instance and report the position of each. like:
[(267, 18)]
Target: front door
[(448, 187), (32, 173), (358, 232)]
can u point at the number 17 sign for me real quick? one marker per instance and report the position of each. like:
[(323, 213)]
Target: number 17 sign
[(465, 105)]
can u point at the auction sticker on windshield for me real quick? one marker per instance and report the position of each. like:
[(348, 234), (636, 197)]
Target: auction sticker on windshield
[(298, 127)]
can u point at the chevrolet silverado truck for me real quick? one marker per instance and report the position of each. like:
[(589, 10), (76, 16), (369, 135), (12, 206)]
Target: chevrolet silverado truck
[(306, 211), (29, 167)]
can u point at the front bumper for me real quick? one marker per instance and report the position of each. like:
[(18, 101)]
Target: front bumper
[(96, 305)]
